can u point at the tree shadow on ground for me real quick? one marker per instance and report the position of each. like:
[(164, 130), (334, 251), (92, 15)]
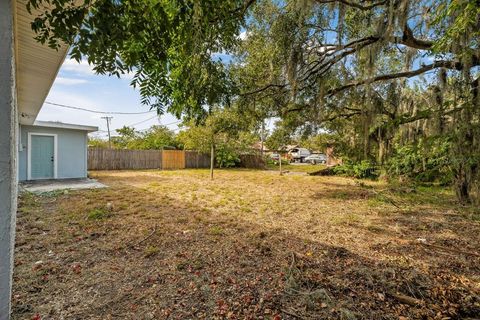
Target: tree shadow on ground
[(159, 258), (350, 193)]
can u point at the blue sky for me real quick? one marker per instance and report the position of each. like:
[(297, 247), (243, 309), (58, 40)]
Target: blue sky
[(77, 85)]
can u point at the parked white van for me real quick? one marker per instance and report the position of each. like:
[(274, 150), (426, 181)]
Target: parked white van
[(298, 154)]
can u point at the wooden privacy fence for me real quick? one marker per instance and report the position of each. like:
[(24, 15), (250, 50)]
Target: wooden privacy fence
[(195, 159), (252, 161), (118, 159)]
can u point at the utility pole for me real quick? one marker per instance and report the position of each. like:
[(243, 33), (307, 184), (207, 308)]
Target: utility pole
[(108, 119), (280, 162)]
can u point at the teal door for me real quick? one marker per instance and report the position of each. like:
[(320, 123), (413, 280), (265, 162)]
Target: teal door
[(42, 158)]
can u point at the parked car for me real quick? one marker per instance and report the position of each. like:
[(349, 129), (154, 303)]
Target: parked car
[(316, 158), (275, 156), (298, 154)]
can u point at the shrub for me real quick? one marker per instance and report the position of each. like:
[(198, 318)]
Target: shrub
[(427, 161), (226, 157), (362, 170)]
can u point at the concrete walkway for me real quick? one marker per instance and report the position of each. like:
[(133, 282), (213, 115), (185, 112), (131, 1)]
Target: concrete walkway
[(41, 186)]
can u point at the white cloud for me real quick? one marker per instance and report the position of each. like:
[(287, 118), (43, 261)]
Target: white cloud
[(69, 81), (74, 98), (83, 68), (79, 68), (128, 76), (54, 113)]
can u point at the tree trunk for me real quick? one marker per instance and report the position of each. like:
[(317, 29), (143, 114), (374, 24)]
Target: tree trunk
[(366, 142), (462, 186), (212, 160), (463, 147), (381, 151)]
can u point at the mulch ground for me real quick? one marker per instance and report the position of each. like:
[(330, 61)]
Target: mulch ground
[(248, 245)]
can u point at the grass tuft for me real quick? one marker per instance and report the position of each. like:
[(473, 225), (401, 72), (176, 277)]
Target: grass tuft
[(151, 251), (216, 231), (347, 219), (98, 214)]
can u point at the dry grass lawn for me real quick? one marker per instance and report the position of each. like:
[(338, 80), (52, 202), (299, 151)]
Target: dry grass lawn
[(248, 245)]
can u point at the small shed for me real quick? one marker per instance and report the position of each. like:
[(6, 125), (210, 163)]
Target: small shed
[(53, 150)]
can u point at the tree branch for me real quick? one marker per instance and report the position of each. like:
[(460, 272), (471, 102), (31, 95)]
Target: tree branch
[(455, 65), (409, 40), (354, 4), (272, 85), (321, 67), (341, 115), (244, 8)]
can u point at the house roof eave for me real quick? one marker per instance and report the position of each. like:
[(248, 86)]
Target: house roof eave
[(37, 65), (61, 125)]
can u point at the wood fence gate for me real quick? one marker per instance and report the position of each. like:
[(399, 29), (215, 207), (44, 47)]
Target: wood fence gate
[(173, 159)]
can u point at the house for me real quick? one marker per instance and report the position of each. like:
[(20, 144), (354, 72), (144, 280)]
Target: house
[(260, 147), (27, 71), (53, 150)]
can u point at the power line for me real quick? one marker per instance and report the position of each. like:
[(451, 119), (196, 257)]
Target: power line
[(169, 124), (140, 130), (95, 111), (134, 124), (161, 124)]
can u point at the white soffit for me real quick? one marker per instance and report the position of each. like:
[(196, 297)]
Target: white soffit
[(37, 66), (61, 125)]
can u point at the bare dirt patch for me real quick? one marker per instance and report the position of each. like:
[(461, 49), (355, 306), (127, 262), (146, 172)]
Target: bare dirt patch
[(248, 245)]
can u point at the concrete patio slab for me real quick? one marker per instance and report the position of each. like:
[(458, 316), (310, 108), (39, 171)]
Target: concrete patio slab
[(40, 186)]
